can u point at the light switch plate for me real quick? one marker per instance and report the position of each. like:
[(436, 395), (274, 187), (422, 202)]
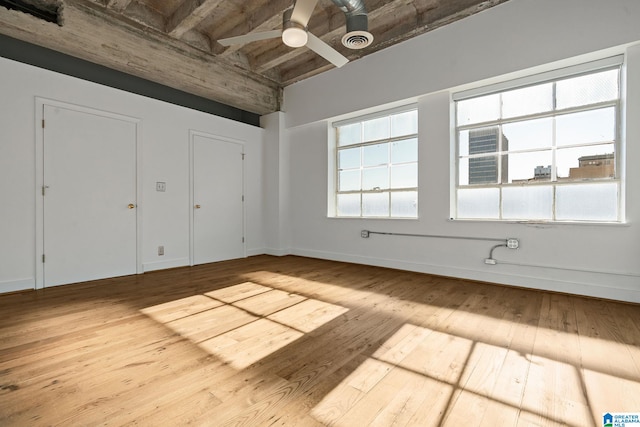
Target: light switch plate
[(161, 186)]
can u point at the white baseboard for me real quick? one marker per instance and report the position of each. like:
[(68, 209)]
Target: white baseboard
[(525, 281), (277, 252), (17, 285), (255, 251), (163, 265), (268, 251)]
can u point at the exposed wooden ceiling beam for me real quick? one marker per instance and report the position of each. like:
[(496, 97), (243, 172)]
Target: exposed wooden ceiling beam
[(118, 5), (188, 15), (271, 23), (430, 17), (256, 21), (144, 15), (407, 23), (174, 42), (336, 30), (95, 34)]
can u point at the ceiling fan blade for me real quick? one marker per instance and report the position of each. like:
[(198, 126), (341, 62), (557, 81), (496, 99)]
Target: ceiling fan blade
[(302, 11), (326, 51), (252, 37)]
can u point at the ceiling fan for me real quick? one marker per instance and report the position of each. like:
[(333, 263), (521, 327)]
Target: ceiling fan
[(294, 33)]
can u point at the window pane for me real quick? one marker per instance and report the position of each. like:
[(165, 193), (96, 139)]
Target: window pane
[(404, 151), (375, 204), (485, 140), (585, 127), (479, 203), (528, 100), (349, 158), (404, 176), (349, 180), (373, 155), (589, 89), (375, 178), (527, 135), (376, 129), (404, 123), (528, 167), (463, 172), (587, 202), (478, 110), (549, 167), (483, 170), (534, 202), (479, 169), (593, 161), (463, 143), (350, 134), (348, 204), (404, 204)]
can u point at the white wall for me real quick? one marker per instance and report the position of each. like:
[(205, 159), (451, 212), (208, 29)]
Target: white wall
[(277, 233), (165, 157), (517, 36)]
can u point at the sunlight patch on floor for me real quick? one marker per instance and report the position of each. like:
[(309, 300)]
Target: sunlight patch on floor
[(250, 343), (425, 377), (609, 391), (403, 382), (244, 323)]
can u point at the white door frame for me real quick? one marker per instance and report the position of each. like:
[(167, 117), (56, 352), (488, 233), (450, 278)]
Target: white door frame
[(192, 134), (39, 143)]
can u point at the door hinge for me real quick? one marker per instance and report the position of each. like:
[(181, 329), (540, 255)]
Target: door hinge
[(242, 156), (42, 123), (243, 240), (243, 197), (42, 258), (43, 187)]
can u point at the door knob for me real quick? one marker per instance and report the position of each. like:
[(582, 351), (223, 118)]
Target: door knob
[(197, 206), (131, 206)]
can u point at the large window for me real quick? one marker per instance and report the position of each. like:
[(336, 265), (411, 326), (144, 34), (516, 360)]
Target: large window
[(544, 151), (376, 171)]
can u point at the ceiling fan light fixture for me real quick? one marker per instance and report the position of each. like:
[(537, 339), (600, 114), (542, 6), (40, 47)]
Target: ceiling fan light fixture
[(295, 36)]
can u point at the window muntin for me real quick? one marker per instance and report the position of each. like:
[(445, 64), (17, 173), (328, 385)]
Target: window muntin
[(560, 137), (377, 166)]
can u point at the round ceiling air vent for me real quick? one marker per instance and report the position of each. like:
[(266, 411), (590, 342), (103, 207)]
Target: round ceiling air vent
[(357, 39)]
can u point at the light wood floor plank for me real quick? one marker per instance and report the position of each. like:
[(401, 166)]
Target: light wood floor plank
[(293, 341)]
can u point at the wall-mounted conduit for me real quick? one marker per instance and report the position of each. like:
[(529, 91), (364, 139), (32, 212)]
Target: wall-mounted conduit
[(510, 243)]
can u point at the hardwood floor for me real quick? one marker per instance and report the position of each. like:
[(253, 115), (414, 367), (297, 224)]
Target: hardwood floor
[(303, 342)]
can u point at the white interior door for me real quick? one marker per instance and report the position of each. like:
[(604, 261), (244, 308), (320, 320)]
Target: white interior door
[(89, 206), (218, 214)]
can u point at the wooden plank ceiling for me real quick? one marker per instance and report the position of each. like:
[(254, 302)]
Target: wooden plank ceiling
[(174, 42)]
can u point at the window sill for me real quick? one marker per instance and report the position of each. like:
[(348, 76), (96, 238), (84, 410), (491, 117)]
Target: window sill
[(541, 224), (376, 218)]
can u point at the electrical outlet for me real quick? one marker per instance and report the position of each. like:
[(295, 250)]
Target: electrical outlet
[(160, 250), (513, 243), (364, 234), (161, 186)]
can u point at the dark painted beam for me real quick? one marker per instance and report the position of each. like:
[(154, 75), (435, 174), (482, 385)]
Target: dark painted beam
[(55, 61)]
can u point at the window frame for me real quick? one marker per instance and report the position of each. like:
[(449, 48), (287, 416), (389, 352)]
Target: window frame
[(554, 76), (334, 163)]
